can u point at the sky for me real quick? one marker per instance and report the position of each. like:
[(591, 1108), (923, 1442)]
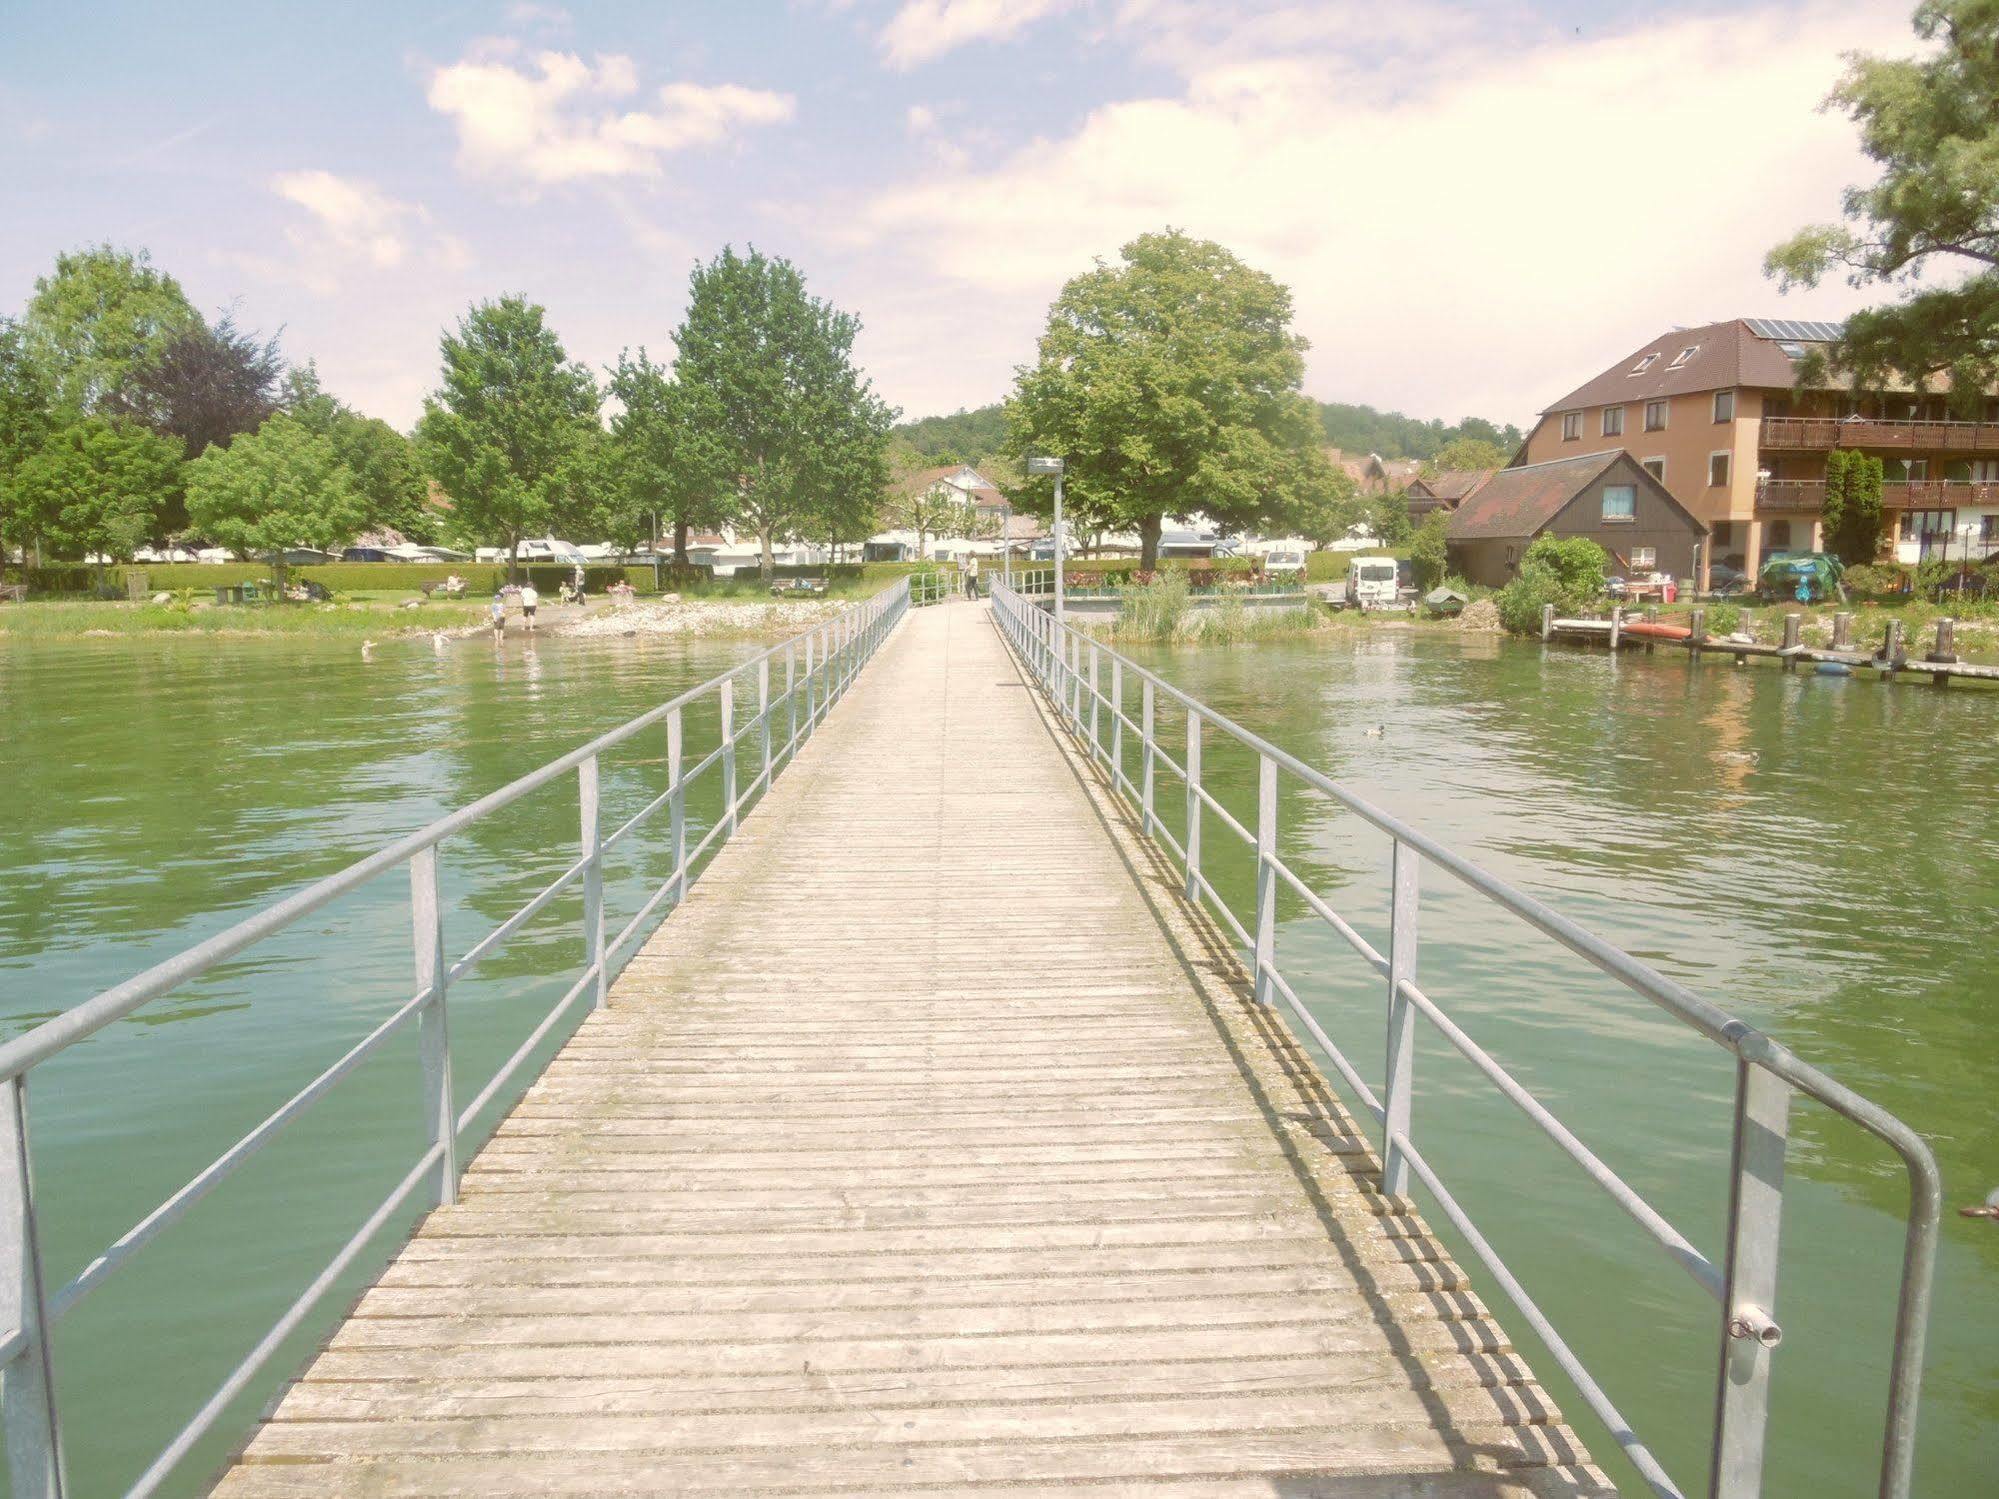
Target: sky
[(1476, 206)]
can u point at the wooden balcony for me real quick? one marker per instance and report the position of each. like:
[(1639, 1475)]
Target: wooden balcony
[(1808, 495), (1822, 433)]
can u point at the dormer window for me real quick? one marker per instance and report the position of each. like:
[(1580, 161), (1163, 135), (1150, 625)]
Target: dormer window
[(1684, 355), (1644, 364)]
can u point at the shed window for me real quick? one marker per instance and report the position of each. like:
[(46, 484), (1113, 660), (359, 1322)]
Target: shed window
[(1644, 559), (1620, 502), (1613, 421), (1655, 416), (1572, 425), (1717, 470)]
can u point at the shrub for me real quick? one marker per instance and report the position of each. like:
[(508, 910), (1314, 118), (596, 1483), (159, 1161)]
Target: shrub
[(1152, 611), (1723, 619), (1521, 601), (1426, 550), (1566, 571)]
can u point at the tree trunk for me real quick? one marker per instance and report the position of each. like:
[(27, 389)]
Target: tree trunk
[(767, 562), (679, 542), (513, 559), (278, 574), (1148, 542)]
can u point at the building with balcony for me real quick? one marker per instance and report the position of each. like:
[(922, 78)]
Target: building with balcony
[(1716, 415)]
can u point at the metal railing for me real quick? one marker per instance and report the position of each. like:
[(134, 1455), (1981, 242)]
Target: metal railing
[(1072, 668), (818, 666)]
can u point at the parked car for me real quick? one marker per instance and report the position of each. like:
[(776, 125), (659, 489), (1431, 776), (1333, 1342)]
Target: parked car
[(1285, 565), (1722, 578)]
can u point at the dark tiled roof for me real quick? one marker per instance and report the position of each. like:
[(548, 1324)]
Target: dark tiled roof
[(1727, 355), (1453, 484), (1519, 501)]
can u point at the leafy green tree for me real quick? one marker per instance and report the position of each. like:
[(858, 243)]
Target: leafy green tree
[(97, 488), (1169, 383), (1388, 518), (281, 486), (104, 314), (777, 417), (385, 467), (1932, 122), (1427, 549), (962, 437), (506, 433), (27, 401), (1566, 571), (1362, 429), (651, 474), (1467, 454)]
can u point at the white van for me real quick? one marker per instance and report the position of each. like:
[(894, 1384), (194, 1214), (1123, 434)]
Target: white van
[(1284, 564), (1371, 583)]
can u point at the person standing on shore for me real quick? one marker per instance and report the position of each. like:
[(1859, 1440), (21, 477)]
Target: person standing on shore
[(530, 598)]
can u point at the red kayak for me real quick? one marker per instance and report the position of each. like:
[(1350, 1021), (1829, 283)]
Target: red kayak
[(1648, 629)]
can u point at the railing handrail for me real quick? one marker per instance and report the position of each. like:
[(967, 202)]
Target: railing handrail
[(1745, 1286), (844, 642)]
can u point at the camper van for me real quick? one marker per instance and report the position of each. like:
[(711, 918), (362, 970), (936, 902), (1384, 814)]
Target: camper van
[(1371, 583)]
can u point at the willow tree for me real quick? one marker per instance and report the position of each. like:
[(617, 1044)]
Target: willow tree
[(775, 415), (1170, 384), (1930, 226)]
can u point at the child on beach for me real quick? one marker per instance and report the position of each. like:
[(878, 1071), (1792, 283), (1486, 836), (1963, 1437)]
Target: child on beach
[(497, 613)]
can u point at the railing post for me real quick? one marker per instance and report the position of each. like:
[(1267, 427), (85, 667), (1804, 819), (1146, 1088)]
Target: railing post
[(676, 804), (791, 698), (1266, 877), (1398, 1077), (1749, 1330), (34, 1434), (1145, 740), (1076, 681), (593, 875), (1193, 805), (433, 1032), (811, 686), (1117, 722), (1096, 739), (763, 713), (728, 695)]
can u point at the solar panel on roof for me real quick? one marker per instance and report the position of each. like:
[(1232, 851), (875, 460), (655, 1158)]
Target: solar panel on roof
[(1794, 330)]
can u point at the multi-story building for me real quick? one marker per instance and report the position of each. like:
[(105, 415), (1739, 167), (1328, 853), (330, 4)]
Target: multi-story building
[(1716, 415)]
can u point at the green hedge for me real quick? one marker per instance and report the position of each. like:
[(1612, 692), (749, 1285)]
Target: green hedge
[(79, 579)]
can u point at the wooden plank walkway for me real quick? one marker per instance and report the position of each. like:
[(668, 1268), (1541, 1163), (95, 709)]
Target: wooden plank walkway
[(933, 1146)]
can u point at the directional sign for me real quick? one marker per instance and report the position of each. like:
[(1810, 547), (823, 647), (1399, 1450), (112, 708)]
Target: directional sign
[(1044, 465)]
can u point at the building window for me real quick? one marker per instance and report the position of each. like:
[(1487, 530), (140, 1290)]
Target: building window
[(1655, 416), (1643, 559), (1984, 471), (1572, 425), (1913, 470), (1684, 355), (1656, 467), (1644, 364), (1724, 405), (1613, 421), (1724, 533), (1620, 502), (1780, 536), (1717, 470)]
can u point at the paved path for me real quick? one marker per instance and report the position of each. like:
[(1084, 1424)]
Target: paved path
[(931, 1147)]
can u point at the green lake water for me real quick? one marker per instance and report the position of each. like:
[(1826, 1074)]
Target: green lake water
[(1815, 855)]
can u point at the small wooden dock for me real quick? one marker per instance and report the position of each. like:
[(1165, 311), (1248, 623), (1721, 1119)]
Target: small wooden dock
[(934, 1146)]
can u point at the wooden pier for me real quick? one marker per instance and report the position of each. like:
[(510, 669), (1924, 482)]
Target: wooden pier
[(935, 1145)]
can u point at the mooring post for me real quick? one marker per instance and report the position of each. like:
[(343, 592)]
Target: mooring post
[(1794, 625), (1398, 1077), (34, 1434), (1746, 625), (1842, 631), (1266, 878), (1892, 654), (1946, 651), (1616, 624), (1547, 621), (433, 1033), (1697, 625)]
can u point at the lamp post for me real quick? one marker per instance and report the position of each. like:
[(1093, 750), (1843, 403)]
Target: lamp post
[(1055, 466)]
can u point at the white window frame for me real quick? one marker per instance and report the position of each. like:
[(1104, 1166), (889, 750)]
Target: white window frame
[(1645, 559), (1728, 456), (1617, 520), (1684, 355), (1572, 426), (1644, 364), (1604, 424)]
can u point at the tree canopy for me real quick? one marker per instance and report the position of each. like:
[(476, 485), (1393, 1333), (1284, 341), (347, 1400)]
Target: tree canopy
[(1362, 429), (647, 474), (103, 314), (383, 464), (507, 431), (27, 401), (777, 418), (97, 486), (1932, 123), (203, 385), (281, 486), (1169, 384), (1461, 454)]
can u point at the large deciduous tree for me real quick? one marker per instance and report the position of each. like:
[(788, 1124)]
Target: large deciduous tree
[(646, 471), (27, 401), (203, 385), (1932, 122), (103, 314), (281, 486), (1170, 384), (777, 417), (383, 465), (507, 432), (96, 488)]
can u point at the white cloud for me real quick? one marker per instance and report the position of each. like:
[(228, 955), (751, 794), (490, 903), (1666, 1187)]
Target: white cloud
[(554, 117), (923, 30), (1476, 234), (921, 119), (350, 225)]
